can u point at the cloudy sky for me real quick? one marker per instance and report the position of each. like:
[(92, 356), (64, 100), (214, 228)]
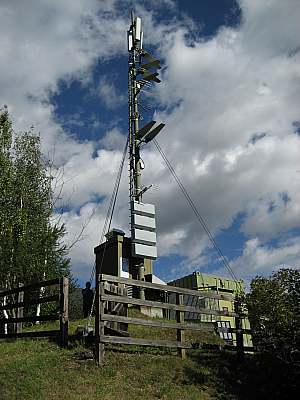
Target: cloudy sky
[(229, 96)]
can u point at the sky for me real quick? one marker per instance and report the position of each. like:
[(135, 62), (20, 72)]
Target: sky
[(229, 97)]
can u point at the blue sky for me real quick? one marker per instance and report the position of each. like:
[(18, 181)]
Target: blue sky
[(229, 97)]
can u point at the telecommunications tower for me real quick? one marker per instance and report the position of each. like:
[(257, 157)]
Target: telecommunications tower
[(133, 256), (142, 73)]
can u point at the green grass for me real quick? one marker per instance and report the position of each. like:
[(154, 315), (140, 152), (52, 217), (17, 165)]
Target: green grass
[(39, 369)]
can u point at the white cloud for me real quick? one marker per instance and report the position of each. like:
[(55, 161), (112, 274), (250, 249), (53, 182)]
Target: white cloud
[(114, 139), (109, 95), (258, 258), (272, 215)]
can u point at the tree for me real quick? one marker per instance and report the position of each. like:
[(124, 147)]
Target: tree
[(31, 245), (274, 313), (6, 198)]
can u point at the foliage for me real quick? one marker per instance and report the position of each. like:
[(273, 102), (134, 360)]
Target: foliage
[(274, 313), (30, 242)]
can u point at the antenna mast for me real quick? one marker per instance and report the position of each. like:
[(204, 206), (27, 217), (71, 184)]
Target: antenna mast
[(134, 59), (142, 72)]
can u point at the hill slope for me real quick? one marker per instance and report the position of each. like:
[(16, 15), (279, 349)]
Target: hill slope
[(39, 369)]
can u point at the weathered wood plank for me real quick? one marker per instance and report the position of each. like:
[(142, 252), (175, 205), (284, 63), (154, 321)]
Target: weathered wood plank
[(99, 345), (169, 306), (233, 330), (64, 311), (97, 323), (30, 334), (180, 320), (144, 342), (201, 327), (29, 287), (20, 310), (47, 299), (31, 319), (166, 288)]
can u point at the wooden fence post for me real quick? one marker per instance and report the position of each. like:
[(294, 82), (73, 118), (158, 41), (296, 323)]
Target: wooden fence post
[(180, 319), (20, 310), (99, 323), (97, 320), (239, 331), (5, 315), (64, 311)]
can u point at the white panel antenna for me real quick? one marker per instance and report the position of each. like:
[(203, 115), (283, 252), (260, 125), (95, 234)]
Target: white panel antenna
[(141, 42), (138, 29), (129, 40)]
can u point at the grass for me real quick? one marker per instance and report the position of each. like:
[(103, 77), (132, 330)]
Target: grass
[(39, 369)]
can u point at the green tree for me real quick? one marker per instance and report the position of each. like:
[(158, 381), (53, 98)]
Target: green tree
[(274, 312), (31, 245), (6, 197)]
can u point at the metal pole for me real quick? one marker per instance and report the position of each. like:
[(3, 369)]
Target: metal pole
[(141, 276), (137, 170), (134, 156), (131, 140)]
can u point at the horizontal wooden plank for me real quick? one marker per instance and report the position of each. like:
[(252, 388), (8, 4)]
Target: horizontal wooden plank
[(245, 331), (166, 288), (29, 287), (232, 330), (251, 349), (30, 319), (30, 334), (158, 324), (42, 300), (144, 342), (168, 306)]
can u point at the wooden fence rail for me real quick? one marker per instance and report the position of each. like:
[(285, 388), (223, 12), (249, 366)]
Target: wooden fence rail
[(35, 285), (102, 298), (166, 288), (31, 302), (18, 303)]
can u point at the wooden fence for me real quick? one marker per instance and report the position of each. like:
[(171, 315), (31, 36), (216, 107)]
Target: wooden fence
[(102, 317), (18, 303)]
